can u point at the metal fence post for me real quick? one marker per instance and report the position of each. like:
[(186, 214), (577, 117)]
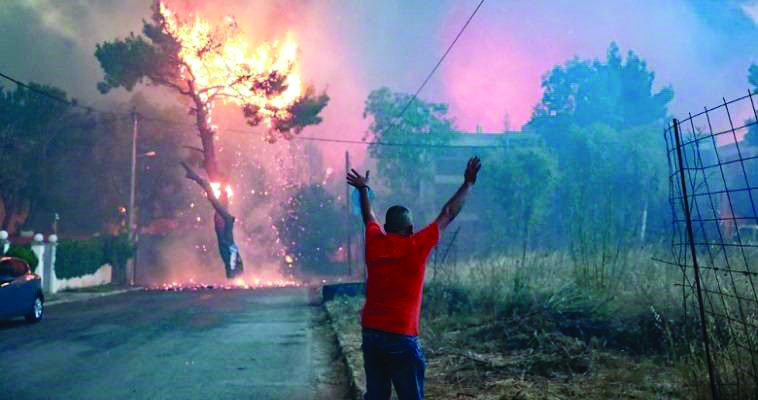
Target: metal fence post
[(691, 237)]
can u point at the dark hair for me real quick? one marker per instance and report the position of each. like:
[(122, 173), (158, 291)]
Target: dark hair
[(398, 220)]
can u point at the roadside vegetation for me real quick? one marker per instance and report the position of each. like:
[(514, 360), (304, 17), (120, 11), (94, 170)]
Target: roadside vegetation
[(558, 294), (500, 329)]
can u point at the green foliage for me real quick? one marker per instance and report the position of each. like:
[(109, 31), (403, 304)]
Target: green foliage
[(519, 185), (74, 258), (517, 305), (41, 141), (752, 134), (117, 250), (617, 93), (304, 112), (602, 121), (127, 62), (546, 332), (752, 75), (751, 137), (611, 179), (401, 167), (25, 253), (311, 230), (160, 192)]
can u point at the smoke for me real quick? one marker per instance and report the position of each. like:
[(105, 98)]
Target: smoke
[(702, 48), (699, 47)]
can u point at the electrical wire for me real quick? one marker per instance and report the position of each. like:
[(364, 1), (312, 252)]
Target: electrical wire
[(56, 98), (450, 47)]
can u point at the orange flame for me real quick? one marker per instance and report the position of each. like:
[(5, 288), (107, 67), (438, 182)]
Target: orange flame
[(216, 188), (221, 64)]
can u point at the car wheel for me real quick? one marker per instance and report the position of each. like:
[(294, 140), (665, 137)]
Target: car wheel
[(36, 314)]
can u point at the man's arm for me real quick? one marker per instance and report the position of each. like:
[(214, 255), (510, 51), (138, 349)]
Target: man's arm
[(220, 209), (361, 183), (453, 206)]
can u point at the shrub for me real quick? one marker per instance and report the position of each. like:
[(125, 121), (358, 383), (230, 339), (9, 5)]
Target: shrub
[(75, 258), (25, 253), (82, 257), (117, 251)]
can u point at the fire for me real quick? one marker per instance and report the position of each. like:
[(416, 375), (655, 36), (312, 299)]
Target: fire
[(216, 188), (239, 283), (220, 63)]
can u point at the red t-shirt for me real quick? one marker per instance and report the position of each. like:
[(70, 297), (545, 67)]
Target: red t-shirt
[(396, 266)]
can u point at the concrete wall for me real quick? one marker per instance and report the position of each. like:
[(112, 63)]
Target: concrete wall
[(101, 277)]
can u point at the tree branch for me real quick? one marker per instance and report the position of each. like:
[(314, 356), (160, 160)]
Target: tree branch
[(220, 209), (162, 81)]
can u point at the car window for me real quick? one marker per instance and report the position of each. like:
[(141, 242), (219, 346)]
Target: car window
[(12, 267)]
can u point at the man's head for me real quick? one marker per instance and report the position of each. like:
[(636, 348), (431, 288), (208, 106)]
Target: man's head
[(399, 220)]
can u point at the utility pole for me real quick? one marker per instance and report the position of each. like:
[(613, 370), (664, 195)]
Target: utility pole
[(347, 218), (132, 216)]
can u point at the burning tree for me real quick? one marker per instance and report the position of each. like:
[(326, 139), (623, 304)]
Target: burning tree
[(208, 63)]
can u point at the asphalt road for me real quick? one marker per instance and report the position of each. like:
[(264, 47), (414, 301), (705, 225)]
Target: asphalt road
[(238, 344)]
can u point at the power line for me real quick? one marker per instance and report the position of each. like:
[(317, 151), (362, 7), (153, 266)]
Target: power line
[(380, 143), (318, 139), (244, 131), (55, 98), (450, 47)]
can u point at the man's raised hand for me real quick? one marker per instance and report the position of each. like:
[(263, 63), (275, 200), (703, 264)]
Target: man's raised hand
[(474, 164), (355, 179)]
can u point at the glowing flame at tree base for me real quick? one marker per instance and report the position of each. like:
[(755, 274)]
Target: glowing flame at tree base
[(238, 283)]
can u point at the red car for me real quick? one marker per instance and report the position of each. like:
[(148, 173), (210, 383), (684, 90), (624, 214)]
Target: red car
[(20, 290)]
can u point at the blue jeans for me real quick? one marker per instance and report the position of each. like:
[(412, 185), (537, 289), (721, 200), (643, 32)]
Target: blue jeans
[(392, 360)]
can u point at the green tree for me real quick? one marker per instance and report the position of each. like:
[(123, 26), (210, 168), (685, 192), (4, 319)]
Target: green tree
[(519, 185), (752, 75), (160, 192), (752, 134), (40, 140), (617, 93), (311, 229), (401, 168), (602, 120)]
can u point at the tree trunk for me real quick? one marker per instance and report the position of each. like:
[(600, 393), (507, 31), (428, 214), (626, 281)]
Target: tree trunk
[(206, 137)]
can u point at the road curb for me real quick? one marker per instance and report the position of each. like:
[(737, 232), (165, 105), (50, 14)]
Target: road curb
[(357, 385), (90, 296)]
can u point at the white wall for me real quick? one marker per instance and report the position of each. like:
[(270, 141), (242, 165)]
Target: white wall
[(101, 277)]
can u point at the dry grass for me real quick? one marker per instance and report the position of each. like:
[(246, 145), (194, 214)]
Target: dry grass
[(560, 326), (485, 345)]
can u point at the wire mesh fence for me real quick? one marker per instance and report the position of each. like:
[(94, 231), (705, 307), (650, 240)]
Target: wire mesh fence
[(714, 196)]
